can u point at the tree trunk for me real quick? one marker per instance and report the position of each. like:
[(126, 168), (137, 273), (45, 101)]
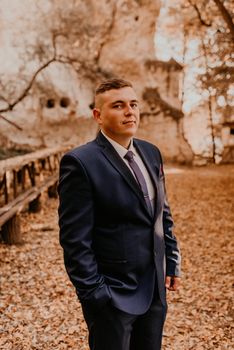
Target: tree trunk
[(183, 72), (212, 128), (210, 106)]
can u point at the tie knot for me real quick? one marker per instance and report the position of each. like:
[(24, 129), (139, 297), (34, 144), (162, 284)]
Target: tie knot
[(129, 156)]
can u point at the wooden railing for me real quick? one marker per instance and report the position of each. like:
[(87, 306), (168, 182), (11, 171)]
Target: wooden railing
[(22, 180)]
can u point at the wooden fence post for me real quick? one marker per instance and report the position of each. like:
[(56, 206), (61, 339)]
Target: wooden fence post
[(35, 205), (52, 191), (11, 232)]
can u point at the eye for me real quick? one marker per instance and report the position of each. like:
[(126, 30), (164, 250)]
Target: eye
[(134, 105), (117, 106)]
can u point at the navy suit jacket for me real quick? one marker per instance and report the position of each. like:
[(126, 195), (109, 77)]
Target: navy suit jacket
[(114, 249)]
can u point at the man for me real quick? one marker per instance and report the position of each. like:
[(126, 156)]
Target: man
[(116, 227)]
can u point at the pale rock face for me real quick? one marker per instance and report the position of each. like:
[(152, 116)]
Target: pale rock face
[(132, 34), (131, 40), (101, 38)]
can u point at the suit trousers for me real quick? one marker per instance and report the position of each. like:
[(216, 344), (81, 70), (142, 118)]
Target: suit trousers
[(112, 329)]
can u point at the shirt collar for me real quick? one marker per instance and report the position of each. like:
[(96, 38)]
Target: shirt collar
[(119, 148)]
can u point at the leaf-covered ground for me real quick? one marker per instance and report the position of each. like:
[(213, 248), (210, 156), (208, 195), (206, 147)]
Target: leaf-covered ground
[(39, 309)]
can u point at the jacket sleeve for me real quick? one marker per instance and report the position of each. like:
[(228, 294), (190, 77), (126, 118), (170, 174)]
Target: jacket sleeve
[(76, 220), (173, 257)]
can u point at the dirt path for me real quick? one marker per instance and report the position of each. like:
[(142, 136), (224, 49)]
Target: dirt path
[(38, 307)]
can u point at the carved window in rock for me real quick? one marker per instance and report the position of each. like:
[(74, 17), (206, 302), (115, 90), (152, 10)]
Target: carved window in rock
[(64, 102), (50, 103)]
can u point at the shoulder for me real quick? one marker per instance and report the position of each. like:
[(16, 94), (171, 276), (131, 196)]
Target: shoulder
[(145, 144), (148, 147), (82, 152)]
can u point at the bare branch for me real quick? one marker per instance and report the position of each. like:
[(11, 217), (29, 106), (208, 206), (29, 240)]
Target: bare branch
[(3, 98), (10, 122), (226, 16), (202, 21), (27, 89)]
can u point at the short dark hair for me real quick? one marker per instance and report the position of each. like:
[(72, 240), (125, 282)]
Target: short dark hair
[(112, 84)]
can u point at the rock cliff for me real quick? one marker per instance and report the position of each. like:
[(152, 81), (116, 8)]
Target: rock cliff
[(93, 40)]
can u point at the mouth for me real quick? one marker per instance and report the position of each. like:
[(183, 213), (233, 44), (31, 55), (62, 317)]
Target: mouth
[(129, 122)]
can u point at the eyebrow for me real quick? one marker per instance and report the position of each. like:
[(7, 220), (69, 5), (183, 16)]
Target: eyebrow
[(121, 101)]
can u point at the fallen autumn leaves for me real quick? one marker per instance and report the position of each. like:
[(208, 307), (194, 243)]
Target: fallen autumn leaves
[(39, 309)]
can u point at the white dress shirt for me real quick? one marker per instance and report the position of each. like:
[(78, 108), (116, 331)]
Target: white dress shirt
[(122, 152)]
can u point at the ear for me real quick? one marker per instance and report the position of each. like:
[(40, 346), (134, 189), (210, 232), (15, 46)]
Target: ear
[(97, 115)]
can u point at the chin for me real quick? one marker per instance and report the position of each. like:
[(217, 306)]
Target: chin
[(131, 133)]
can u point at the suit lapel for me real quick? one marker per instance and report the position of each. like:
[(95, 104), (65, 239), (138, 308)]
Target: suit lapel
[(152, 168), (116, 161)]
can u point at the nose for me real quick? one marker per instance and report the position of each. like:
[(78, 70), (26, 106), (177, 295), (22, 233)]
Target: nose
[(128, 110)]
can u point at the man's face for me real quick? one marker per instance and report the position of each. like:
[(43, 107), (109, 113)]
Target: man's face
[(117, 113)]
